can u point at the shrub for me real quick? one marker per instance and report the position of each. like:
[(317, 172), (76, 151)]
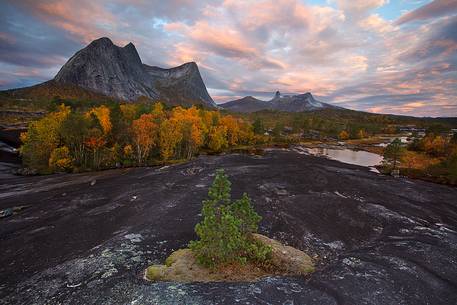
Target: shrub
[(393, 152), (343, 135), (60, 159), (224, 231)]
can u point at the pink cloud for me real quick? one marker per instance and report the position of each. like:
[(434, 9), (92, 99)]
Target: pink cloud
[(357, 8), (281, 13), (86, 20), (375, 23), (225, 40)]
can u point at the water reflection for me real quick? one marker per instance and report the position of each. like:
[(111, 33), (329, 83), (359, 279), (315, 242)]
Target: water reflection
[(362, 158)]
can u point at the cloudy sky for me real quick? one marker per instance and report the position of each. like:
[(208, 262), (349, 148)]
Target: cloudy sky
[(386, 56)]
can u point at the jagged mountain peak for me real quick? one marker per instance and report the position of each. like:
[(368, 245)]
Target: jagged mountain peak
[(130, 45), (119, 72), (103, 41)]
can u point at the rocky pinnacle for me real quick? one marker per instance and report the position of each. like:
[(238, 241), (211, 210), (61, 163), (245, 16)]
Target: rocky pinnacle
[(119, 72)]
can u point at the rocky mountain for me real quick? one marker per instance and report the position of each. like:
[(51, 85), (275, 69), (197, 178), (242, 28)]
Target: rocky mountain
[(246, 104), (287, 103), (118, 72)]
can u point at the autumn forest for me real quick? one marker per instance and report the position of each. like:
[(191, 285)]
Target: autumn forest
[(128, 135)]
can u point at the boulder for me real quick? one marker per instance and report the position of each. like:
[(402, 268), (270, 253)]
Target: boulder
[(182, 266)]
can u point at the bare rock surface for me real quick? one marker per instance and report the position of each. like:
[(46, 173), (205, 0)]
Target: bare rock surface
[(375, 239)]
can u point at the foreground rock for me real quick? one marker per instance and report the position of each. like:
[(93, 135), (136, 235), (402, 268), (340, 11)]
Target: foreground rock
[(181, 266), (378, 240)]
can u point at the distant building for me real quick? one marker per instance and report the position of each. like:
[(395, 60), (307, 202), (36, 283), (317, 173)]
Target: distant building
[(410, 128)]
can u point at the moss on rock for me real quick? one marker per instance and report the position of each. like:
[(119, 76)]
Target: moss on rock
[(174, 257), (182, 266), (155, 272), (286, 259)]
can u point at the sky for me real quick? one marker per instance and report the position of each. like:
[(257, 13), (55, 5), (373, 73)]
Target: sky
[(383, 56)]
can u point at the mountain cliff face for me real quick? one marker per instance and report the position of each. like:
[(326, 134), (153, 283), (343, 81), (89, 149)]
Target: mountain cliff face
[(118, 72), (287, 103)]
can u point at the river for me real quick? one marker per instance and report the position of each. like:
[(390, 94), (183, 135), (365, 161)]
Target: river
[(345, 155)]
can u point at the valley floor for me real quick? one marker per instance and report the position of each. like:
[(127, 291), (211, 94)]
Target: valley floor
[(87, 238)]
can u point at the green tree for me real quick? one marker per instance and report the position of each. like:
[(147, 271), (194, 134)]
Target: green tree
[(258, 126), (393, 152), (277, 130), (224, 230)]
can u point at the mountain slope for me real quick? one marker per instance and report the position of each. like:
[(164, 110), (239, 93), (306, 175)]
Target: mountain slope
[(180, 85), (246, 104), (117, 72), (51, 89), (287, 103)]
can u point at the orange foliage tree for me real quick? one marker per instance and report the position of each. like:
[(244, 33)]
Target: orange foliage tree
[(344, 135), (435, 145), (94, 142), (177, 133), (191, 128)]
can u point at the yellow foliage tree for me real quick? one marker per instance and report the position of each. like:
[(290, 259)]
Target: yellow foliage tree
[(128, 111), (217, 138), (145, 135), (102, 113), (60, 159), (158, 112), (361, 134), (232, 127), (191, 129), (128, 151), (169, 136), (42, 138)]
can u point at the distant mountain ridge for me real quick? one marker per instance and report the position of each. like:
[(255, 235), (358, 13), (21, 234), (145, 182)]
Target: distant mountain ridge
[(286, 103), (118, 72)]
